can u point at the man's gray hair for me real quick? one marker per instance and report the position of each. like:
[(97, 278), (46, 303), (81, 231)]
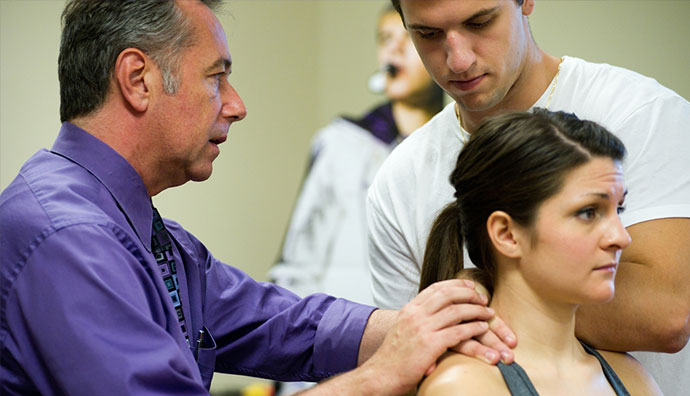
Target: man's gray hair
[(96, 31)]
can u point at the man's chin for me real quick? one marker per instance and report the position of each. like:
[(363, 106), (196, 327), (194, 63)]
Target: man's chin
[(477, 103), (199, 175), (201, 178)]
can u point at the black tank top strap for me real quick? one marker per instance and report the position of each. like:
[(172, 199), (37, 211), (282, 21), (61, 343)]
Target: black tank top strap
[(519, 383), (611, 376), (516, 379)]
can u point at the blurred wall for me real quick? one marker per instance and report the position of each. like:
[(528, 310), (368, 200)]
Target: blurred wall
[(297, 64)]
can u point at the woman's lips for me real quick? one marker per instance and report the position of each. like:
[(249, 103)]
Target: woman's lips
[(608, 267)]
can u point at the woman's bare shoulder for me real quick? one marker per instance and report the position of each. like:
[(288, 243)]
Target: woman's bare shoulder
[(457, 374), (635, 378)]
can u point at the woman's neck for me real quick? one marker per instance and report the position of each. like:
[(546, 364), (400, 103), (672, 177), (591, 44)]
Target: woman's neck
[(545, 330)]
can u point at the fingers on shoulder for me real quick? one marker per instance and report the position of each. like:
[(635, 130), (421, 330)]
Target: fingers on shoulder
[(441, 294)]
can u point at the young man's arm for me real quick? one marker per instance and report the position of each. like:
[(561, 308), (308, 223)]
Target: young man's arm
[(651, 307)]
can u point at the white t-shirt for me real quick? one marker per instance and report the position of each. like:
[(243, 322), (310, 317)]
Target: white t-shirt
[(413, 184)]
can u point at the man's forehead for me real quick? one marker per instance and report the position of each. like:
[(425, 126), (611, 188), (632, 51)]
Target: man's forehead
[(209, 34), (446, 11)]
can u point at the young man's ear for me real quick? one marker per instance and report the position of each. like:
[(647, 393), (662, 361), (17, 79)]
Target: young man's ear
[(131, 69), (504, 234)]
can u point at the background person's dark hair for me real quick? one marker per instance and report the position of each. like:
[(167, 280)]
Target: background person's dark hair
[(512, 163), (396, 5), (96, 31)]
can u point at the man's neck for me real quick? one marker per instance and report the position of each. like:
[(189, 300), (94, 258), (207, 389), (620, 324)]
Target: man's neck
[(538, 72), (409, 117), (119, 132)]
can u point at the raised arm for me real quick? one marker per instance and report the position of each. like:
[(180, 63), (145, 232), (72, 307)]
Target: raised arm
[(651, 308)]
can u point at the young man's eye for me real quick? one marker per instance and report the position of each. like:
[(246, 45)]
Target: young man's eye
[(427, 34), (620, 209), (480, 24)]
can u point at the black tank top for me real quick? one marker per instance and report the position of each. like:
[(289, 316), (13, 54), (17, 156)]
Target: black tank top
[(520, 385)]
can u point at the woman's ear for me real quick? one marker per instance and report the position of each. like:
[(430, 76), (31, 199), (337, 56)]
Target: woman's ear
[(131, 68), (503, 232)]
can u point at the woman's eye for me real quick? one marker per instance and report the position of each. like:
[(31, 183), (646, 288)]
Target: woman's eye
[(620, 209), (586, 213)]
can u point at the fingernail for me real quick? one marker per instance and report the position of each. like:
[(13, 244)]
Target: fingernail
[(510, 339), (490, 356), (491, 311), (504, 356)]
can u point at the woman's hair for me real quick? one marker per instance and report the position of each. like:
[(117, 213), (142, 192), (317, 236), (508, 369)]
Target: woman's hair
[(512, 163)]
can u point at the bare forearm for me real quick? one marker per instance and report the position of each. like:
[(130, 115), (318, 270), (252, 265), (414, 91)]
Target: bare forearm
[(359, 382), (379, 323)]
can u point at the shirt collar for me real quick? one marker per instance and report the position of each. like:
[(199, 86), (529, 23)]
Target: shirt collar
[(380, 123), (113, 171)]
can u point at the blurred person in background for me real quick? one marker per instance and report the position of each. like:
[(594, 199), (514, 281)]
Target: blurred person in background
[(325, 249)]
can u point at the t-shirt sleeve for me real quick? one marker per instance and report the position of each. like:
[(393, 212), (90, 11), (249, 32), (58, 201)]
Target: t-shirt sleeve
[(394, 272), (657, 170)]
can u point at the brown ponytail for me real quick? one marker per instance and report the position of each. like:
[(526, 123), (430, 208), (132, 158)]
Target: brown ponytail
[(443, 253)]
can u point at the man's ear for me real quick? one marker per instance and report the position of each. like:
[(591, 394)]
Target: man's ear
[(503, 232), (527, 7), (131, 67)]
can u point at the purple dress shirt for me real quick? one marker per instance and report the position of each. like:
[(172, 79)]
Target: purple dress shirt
[(84, 310)]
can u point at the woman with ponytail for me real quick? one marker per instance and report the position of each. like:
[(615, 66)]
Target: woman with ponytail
[(535, 220)]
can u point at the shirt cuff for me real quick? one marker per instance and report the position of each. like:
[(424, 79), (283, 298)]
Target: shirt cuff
[(336, 347)]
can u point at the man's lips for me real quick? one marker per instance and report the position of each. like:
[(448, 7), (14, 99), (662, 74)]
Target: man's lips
[(219, 140), (469, 84)]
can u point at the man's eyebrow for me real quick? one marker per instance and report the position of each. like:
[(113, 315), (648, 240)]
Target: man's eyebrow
[(224, 62), (476, 15), (482, 13)]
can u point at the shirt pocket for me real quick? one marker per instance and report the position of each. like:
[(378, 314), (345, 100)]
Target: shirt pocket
[(205, 352)]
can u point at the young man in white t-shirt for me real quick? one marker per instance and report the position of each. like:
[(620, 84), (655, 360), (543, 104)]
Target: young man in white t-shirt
[(482, 54)]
